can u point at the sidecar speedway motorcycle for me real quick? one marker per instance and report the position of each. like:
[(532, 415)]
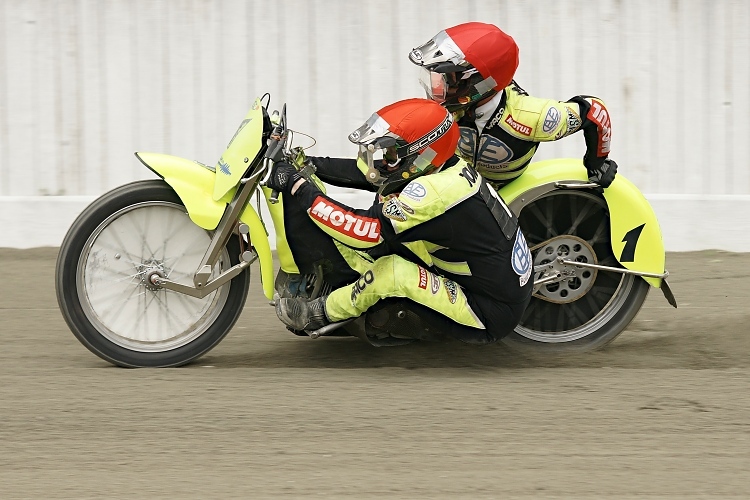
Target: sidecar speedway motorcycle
[(155, 273)]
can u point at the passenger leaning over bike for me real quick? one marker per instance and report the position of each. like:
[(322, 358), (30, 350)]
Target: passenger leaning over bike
[(469, 69), (439, 236)]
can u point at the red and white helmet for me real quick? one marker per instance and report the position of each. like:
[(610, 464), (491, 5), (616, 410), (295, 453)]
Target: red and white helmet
[(466, 63), (415, 137)]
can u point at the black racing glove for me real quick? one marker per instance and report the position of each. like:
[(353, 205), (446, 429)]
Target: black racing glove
[(603, 174), (282, 178)]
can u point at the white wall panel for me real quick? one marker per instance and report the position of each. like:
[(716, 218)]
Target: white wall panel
[(85, 83)]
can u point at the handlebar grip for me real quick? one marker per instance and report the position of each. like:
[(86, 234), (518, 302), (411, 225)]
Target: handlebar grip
[(274, 199)]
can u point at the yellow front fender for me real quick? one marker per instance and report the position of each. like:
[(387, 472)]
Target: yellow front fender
[(193, 183)]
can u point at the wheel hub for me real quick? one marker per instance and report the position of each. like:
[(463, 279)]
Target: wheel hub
[(149, 272), (574, 281)]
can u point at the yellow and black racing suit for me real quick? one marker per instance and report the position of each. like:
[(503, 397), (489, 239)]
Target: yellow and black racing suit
[(446, 242), (501, 136)]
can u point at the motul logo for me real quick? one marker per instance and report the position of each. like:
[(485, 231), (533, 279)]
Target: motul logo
[(518, 127), (342, 221), (422, 278), (599, 115)]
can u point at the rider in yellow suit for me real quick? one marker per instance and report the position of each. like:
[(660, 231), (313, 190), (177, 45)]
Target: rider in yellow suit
[(469, 69), (439, 236)]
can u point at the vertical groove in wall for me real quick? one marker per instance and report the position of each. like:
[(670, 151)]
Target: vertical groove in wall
[(103, 132), (678, 181), (280, 54), (58, 136), (728, 101), (135, 68), (556, 70), (197, 63), (79, 161), (4, 99), (166, 102), (655, 102), (312, 57), (37, 174), (219, 63), (707, 18)]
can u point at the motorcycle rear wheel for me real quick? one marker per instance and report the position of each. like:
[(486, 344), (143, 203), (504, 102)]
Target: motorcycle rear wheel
[(102, 288), (574, 316)]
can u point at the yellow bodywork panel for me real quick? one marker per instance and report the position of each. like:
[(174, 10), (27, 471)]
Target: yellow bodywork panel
[(259, 240), (240, 153), (193, 183), (284, 252), (635, 235)]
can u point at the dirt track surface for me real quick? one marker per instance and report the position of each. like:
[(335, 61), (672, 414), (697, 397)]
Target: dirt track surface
[(663, 412)]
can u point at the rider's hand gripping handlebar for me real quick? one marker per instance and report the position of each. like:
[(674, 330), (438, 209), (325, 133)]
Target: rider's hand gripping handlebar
[(274, 153)]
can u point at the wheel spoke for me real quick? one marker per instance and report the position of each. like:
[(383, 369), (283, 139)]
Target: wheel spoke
[(556, 222), (544, 220), (138, 240), (582, 215)]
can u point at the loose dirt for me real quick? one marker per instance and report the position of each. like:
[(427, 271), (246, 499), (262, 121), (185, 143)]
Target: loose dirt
[(663, 412)]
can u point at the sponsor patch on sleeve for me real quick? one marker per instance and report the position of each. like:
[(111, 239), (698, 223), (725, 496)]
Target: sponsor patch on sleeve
[(414, 191), (574, 121), (600, 116), (518, 127), (451, 288), (340, 220), (551, 120), (422, 278), (434, 283), (394, 210)]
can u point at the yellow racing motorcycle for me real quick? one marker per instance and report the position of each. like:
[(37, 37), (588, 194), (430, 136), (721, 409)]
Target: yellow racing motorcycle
[(155, 273)]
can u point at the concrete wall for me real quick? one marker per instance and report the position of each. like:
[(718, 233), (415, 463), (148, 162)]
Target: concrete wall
[(85, 83)]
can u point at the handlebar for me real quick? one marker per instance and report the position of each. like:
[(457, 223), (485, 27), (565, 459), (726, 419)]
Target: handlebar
[(275, 151)]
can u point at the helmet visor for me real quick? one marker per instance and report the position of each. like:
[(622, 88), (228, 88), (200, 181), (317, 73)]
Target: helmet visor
[(378, 163), (435, 85)]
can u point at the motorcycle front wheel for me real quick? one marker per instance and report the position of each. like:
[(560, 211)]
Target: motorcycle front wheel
[(103, 292), (590, 310)]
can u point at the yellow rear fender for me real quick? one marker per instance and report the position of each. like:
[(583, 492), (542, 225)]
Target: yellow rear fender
[(635, 235), (194, 184)]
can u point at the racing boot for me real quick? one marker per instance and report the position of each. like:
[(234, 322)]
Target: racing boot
[(300, 314)]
